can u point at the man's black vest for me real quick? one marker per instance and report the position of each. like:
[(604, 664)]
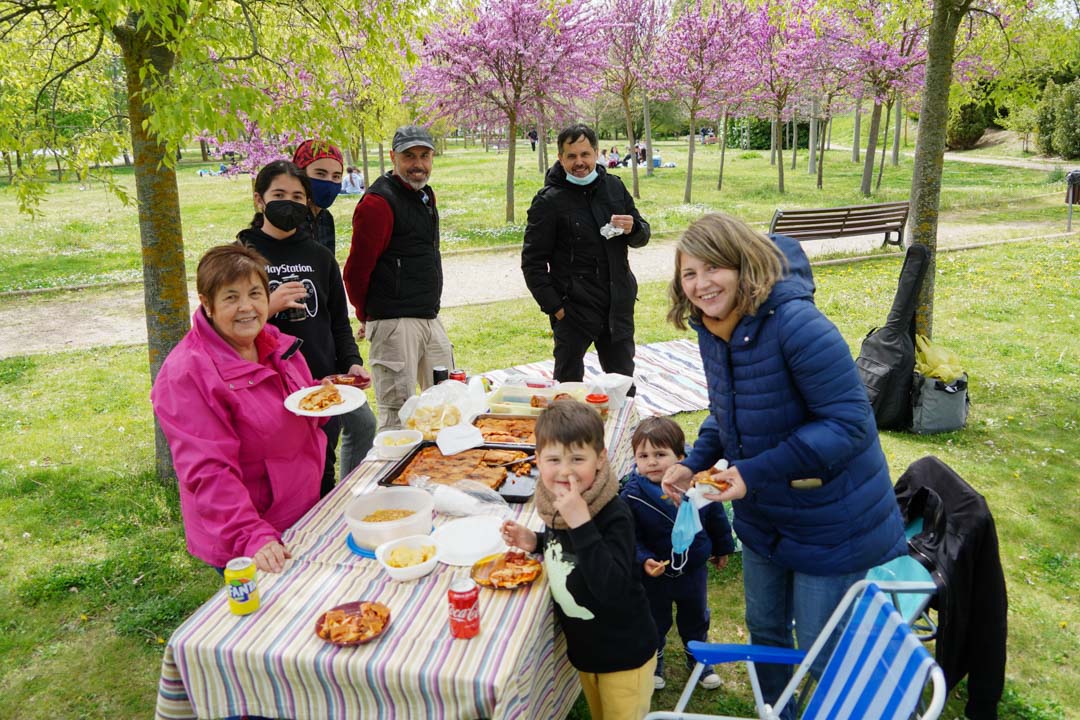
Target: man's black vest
[(407, 280)]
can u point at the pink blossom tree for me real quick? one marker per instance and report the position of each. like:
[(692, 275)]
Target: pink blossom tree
[(630, 31), (510, 59), (781, 43), (698, 55)]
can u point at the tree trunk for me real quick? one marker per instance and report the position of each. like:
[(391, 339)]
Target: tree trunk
[(723, 149), (794, 139), (811, 156), (821, 157), (510, 156), (541, 131), (59, 167), (165, 294), (10, 170), (896, 132), (856, 140), (690, 160), (774, 135), (777, 142), (871, 149), (364, 156), (648, 135), (18, 159), (828, 139), (930, 148), (630, 134), (382, 160), (884, 146)]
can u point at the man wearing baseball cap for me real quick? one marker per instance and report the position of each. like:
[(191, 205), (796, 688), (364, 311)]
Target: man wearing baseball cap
[(394, 275), (323, 163)]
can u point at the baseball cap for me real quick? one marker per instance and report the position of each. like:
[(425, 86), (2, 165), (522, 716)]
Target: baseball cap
[(409, 136), (311, 150)]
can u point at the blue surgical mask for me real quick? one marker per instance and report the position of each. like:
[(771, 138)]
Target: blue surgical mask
[(324, 192), (584, 180)]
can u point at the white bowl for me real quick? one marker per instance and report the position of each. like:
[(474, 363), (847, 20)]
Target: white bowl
[(369, 535), (395, 452), (382, 553)]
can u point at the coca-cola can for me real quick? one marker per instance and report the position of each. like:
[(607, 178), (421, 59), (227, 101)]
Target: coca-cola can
[(464, 597), (458, 374)]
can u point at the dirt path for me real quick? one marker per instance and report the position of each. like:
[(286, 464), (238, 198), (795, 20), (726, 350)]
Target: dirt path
[(101, 317)]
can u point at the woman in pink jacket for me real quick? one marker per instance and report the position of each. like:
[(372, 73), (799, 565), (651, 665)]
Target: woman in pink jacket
[(248, 468)]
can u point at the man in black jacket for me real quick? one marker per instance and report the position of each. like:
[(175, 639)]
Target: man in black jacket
[(574, 259)]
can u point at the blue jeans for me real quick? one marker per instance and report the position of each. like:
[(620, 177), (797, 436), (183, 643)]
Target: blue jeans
[(357, 435), (780, 601)]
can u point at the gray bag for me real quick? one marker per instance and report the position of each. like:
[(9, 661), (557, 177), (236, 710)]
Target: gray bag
[(938, 406)]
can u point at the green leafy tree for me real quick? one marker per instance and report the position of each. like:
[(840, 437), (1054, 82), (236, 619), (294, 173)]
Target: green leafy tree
[(193, 67)]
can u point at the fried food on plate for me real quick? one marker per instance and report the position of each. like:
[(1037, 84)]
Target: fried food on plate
[(511, 569), (354, 625), (326, 396)]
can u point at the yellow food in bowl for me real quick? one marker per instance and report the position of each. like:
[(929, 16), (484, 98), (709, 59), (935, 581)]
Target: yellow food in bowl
[(387, 515), (396, 442), (403, 557)]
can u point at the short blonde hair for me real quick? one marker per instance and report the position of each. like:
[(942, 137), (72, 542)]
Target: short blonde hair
[(727, 242)]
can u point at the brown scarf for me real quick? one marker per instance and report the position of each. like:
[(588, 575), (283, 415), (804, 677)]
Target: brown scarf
[(602, 491)]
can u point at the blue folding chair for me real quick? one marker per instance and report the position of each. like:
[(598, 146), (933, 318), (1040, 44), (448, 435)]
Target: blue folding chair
[(877, 670), (914, 607)]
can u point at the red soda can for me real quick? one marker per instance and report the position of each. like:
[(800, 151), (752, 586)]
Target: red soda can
[(464, 599), (458, 374)]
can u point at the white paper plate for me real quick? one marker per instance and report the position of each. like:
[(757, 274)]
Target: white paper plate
[(353, 397), (464, 541)]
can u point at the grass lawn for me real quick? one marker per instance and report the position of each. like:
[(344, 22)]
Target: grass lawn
[(86, 236), (96, 577)]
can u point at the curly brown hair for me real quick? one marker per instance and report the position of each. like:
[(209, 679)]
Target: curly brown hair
[(727, 242)]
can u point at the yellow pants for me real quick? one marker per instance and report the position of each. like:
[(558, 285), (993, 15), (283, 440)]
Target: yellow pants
[(623, 695)]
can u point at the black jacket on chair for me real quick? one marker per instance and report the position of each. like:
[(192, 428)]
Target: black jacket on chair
[(959, 546)]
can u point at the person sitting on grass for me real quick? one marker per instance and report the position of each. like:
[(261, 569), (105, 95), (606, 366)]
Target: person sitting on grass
[(671, 577), (592, 570)]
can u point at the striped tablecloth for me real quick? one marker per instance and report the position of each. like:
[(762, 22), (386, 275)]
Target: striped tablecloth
[(271, 663), (668, 376)]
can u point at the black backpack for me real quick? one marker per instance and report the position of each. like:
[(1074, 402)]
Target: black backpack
[(887, 357)]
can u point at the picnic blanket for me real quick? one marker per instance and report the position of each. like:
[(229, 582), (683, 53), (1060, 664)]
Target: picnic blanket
[(668, 376)]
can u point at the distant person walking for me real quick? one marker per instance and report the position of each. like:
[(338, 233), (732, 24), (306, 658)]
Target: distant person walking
[(578, 275)]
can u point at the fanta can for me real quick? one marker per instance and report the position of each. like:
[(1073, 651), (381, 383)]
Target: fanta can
[(241, 585)]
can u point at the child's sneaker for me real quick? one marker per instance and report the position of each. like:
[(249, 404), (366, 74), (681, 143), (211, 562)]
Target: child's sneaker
[(709, 679), (659, 683)]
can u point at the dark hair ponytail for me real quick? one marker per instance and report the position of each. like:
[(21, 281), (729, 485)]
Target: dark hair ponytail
[(265, 179)]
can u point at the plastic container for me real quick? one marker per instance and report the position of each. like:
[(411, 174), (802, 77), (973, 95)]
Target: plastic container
[(369, 535), (518, 400), (599, 403), (382, 553), (396, 444)]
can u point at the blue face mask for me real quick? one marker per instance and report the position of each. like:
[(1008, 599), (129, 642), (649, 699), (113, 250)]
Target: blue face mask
[(324, 192), (584, 180)]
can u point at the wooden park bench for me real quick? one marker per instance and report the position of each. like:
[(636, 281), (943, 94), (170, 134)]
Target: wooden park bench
[(828, 223)]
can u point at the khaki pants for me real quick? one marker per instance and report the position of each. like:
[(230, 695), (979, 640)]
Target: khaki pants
[(623, 695), (403, 352)]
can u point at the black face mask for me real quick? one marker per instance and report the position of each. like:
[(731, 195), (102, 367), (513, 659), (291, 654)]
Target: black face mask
[(285, 214)]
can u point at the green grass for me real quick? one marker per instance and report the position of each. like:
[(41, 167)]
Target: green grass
[(86, 236), (96, 576)]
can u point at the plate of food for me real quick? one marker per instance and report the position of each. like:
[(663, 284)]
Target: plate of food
[(466, 540), (508, 570), (325, 400), (353, 623), (351, 380)]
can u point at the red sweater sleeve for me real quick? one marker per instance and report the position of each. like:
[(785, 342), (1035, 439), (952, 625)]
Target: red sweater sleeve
[(372, 223)]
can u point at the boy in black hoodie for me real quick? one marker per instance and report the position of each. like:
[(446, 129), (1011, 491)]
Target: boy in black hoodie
[(591, 563)]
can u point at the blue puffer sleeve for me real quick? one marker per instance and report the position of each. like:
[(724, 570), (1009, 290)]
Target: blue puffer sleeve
[(824, 375), (707, 448)]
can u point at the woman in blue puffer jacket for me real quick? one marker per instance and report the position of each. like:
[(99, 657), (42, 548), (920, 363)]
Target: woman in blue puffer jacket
[(814, 505)]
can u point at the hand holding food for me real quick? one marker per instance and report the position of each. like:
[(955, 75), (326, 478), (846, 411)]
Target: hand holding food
[(517, 535), (655, 568), (676, 481), (731, 478)]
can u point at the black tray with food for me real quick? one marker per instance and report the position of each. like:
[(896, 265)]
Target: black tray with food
[(487, 464), (516, 431)]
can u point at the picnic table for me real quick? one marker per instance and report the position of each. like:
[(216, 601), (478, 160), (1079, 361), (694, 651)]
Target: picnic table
[(272, 664)]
